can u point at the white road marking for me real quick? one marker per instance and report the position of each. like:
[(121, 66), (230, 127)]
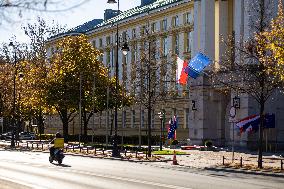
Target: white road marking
[(127, 179), (21, 183)]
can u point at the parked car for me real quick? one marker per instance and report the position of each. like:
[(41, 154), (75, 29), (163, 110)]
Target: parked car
[(6, 136), (26, 136), (33, 135)]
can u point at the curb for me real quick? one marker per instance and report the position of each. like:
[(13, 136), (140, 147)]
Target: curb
[(218, 169), (88, 156), (245, 171)]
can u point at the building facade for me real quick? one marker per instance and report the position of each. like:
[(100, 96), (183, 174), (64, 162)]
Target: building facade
[(180, 28)]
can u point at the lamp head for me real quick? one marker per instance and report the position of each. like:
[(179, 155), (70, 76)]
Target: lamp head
[(125, 49), (21, 76), (11, 44), (111, 1)]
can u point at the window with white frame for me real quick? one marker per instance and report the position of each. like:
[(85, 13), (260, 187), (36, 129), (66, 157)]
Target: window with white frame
[(134, 52), (124, 36), (176, 44), (186, 116), (153, 27), (133, 33), (153, 119), (188, 41), (165, 46), (133, 118), (100, 119), (108, 58), (188, 18), (143, 30), (108, 40), (175, 21), (94, 43), (142, 118), (124, 119), (100, 42), (164, 25)]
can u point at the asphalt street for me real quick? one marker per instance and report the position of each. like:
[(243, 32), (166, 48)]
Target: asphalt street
[(23, 170)]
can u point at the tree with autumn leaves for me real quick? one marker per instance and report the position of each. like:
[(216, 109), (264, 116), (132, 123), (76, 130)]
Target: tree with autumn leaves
[(274, 41), (10, 82), (52, 84), (77, 77), (35, 69)]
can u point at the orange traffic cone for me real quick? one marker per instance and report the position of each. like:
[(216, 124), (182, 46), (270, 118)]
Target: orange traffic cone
[(175, 159)]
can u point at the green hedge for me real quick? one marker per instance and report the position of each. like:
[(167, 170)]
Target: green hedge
[(130, 140), (45, 136)]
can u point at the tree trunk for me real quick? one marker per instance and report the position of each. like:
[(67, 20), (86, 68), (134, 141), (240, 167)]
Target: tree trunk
[(149, 132), (40, 124), (111, 124), (64, 119), (85, 125), (260, 146)]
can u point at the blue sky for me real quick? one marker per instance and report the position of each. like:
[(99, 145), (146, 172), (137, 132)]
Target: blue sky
[(71, 18)]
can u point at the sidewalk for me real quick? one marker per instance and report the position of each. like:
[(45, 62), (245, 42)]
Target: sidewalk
[(210, 160)]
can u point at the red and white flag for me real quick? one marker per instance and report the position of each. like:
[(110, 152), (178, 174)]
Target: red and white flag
[(181, 75)]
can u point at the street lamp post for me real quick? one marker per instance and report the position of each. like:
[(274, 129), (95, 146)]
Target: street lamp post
[(161, 131), (149, 88), (162, 118), (80, 107), (125, 49)]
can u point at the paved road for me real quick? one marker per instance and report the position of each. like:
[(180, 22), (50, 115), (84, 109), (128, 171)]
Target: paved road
[(24, 170)]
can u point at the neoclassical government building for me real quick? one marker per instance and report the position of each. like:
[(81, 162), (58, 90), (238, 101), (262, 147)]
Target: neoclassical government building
[(181, 28)]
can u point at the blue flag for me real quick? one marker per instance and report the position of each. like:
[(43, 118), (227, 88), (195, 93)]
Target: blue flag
[(269, 121), (197, 65)]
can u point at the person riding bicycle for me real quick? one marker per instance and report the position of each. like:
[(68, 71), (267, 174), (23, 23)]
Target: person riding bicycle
[(52, 148)]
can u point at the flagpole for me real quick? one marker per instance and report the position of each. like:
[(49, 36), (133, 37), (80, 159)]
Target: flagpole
[(232, 117), (233, 145)]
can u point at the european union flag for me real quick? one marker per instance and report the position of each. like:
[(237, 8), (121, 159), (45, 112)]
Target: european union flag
[(197, 64), (269, 121)]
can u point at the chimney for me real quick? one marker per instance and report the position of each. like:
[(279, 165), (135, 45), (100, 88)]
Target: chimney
[(146, 2), (109, 13)]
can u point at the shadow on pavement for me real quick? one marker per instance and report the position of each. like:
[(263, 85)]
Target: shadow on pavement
[(61, 165)]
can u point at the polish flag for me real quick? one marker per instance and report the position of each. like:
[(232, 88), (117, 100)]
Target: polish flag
[(181, 75)]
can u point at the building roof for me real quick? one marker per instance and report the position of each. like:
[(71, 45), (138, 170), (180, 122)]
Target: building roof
[(97, 23), (136, 11), (86, 26)]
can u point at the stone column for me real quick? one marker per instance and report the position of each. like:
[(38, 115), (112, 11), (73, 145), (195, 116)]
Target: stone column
[(201, 125), (197, 27), (221, 28), (207, 36)]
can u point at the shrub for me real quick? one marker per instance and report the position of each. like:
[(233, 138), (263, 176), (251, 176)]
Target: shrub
[(174, 142), (208, 143), (45, 136)]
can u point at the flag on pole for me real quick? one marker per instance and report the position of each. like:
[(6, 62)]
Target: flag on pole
[(181, 75), (197, 65), (172, 129), (251, 123)]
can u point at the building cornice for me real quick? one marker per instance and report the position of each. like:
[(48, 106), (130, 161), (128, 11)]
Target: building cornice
[(144, 18)]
